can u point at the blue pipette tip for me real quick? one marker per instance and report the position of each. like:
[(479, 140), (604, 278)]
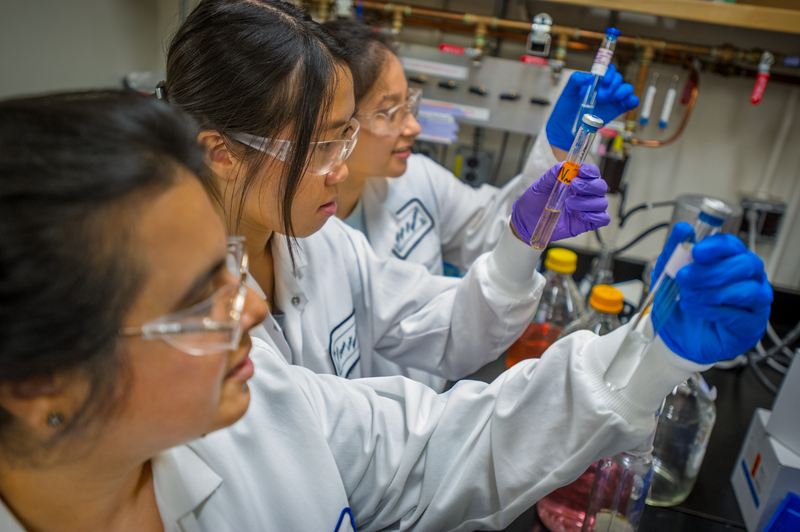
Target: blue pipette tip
[(613, 31)]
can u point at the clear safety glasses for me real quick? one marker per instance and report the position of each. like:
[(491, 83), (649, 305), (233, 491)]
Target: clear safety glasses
[(212, 325), (393, 121), (322, 156)]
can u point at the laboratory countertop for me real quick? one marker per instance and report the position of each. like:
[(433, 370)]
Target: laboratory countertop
[(711, 506)]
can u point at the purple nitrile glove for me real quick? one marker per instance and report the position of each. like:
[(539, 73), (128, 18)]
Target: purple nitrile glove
[(584, 208)]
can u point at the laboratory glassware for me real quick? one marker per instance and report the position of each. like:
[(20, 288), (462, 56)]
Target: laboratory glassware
[(601, 271), (564, 509), (669, 101), (599, 68), (663, 297), (560, 304), (569, 170), (649, 96), (620, 490), (684, 428), (602, 316)]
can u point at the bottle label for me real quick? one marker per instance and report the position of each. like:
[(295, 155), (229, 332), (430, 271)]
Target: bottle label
[(680, 258), (568, 172), (601, 61)]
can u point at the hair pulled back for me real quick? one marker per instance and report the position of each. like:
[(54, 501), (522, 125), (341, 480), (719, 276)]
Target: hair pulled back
[(367, 48), (261, 67), (73, 168)]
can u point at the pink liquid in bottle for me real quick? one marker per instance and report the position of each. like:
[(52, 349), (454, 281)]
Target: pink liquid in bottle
[(565, 508)]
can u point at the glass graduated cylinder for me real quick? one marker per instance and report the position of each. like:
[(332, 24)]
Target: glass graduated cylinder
[(663, 299), (569, 170)]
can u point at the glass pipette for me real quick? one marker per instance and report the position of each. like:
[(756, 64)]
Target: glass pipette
[(555, 203), (663, 297), (599, 68), (649, 96)]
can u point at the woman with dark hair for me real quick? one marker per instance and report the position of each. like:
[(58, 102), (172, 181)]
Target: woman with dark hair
[(273, 96), (384, 175), (124, 355)]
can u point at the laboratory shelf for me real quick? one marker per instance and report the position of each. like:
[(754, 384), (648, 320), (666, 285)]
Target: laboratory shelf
[(739, 15)]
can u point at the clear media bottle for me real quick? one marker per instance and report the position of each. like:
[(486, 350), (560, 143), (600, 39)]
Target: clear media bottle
[(599, 68), (663, 297), (620, 490), (569, 170), (684, 428), (564, 509), (561, 303), (601, 272)]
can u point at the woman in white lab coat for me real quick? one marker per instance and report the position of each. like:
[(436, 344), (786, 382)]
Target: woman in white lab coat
[(276, 159), (124, 355), (387, 184)]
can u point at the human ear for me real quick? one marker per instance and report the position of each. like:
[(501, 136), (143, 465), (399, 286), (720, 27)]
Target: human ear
[(218, 158), (34, 401)]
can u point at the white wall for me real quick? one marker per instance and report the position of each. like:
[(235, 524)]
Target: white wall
[(48, 45)]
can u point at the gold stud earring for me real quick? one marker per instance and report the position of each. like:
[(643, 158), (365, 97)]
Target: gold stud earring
[(54, 419)]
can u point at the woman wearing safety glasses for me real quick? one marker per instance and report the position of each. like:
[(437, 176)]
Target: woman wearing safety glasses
[(276, 157), (386, 180), (125, 359)]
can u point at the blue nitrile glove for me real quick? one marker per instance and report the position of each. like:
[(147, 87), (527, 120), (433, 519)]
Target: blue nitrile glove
[(725, 299), (584, 208), (613, 99)]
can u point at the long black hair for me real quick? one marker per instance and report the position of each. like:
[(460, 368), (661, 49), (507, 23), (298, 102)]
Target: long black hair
[(73, 168), (367, 50), (261, 67)]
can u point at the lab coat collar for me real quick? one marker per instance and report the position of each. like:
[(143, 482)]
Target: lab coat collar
[(280, 253), (182, 481)]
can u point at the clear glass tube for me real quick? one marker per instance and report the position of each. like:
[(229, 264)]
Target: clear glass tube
[(555, 204), (599, 68), (663, 298)]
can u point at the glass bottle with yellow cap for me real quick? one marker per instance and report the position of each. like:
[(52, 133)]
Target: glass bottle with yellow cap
[(564, 509), (605, 304), (561, 303)]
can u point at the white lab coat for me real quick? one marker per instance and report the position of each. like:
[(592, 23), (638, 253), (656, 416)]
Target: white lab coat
[(401, 457), (349, 313), (429, 216)]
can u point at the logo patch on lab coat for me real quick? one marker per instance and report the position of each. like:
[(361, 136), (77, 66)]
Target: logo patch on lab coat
[(414, 222), (343, 349)]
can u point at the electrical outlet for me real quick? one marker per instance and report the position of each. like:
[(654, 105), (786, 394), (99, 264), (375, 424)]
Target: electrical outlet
[(765, 215), (474, 168)]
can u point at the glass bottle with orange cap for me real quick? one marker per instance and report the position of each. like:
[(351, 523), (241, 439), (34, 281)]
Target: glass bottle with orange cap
[(564, 509), (561, 303)]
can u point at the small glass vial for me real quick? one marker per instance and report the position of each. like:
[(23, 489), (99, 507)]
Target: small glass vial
[(684, 428), (619, 491)]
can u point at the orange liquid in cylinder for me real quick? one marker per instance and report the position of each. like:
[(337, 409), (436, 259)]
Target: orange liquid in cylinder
[(533, 342)]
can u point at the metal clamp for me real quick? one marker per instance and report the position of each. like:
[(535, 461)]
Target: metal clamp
[(539, 38)]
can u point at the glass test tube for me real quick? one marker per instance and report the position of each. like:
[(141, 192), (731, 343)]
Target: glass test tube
[(663, 297), (599, 68), (577, 154)]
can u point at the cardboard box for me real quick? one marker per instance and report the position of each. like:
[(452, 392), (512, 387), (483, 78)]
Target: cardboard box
[(784, 423), (765, 471)]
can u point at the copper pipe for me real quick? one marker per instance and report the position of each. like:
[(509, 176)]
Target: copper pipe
[(641, 79), (695, 76), (726, 53)]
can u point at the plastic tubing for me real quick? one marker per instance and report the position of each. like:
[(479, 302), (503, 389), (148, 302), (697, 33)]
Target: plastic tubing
[(555, 204)]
